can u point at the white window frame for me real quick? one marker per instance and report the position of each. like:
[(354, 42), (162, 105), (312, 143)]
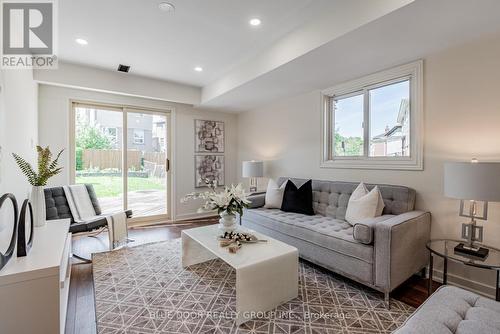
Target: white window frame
[(412, 71)]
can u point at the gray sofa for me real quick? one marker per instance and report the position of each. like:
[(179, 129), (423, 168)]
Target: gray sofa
[(454, 310), (380, 253)]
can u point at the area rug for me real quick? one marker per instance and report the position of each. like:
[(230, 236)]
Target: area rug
[(144, 289)]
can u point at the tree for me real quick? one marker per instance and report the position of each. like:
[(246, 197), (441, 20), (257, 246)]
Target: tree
[(347, 146), (90, 137)]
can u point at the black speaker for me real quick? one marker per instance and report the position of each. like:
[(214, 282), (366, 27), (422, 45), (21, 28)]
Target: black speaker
[(4, 258), (23, 247)]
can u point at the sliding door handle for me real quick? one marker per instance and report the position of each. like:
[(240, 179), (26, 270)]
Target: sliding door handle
[(167, 165)]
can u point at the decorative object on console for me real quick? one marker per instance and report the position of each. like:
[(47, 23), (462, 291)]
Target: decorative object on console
[(23, 247), (4, 258), (364, 204), (209, 136), (274, 195), (209, 167), (47, 168), (472, 182), (298, 200), (231, 201), (253, 169)]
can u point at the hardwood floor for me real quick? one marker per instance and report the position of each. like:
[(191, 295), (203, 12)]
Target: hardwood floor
[(81, 309)]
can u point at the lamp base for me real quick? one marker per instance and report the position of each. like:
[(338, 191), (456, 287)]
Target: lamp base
[(480, 252)]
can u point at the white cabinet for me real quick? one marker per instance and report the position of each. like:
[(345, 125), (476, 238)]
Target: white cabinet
[(34, 289)]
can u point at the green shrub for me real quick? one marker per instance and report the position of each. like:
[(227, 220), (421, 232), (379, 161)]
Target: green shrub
[(79, 158)]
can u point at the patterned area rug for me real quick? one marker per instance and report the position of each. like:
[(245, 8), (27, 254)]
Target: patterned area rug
[(144, 289)]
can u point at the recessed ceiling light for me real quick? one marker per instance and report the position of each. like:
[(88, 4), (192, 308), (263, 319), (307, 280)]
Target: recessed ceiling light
[(81, 41), (198, 69), (255, 22), (166, 7)]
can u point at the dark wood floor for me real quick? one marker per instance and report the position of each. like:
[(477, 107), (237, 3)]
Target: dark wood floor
[(81, 310)]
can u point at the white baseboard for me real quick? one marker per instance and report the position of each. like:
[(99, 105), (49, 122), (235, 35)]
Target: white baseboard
[(467, 284), (195, 215)]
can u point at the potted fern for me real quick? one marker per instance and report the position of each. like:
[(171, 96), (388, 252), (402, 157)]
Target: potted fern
[(47, 168)]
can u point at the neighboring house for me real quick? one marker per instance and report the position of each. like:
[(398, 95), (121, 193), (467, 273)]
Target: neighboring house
[(394, 141), (144, 131)]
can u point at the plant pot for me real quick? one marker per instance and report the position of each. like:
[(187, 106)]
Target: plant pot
[(37, 199), (227, 222)]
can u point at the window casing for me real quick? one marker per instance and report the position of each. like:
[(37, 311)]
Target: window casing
[(375, 122)]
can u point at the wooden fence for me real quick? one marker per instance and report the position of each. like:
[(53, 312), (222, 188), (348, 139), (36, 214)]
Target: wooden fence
[(105, 159)]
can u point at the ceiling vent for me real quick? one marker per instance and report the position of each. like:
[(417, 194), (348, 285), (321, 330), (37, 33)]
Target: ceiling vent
[(123, 68)]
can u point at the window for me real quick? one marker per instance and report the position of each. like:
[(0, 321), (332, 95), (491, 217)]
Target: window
[(348, 130), (138, 136), (112, 134), (375, 122)]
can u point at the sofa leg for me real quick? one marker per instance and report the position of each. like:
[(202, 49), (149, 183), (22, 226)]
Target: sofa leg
[(387, 300)]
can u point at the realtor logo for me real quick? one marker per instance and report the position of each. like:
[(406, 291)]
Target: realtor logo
[(28, 35)]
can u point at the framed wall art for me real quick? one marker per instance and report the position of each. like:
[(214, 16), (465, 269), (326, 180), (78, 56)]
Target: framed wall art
[(209, 167), (209, 136)]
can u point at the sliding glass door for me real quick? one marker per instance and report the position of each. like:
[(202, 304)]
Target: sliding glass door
[(147, 163), (103, 151)]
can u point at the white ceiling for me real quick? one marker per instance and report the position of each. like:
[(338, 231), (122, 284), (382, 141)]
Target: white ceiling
[(301, 46), (412, 32), (214, 34)]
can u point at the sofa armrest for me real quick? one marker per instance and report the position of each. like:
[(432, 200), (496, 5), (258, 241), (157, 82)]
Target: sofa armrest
[(400, 248), (257, 200)]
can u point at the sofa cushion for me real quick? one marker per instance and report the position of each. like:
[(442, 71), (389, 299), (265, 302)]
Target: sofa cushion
[(274, 195), (330, 198), (333, 234), (364, 204), (298, 199), (454, 310), (363, 231)]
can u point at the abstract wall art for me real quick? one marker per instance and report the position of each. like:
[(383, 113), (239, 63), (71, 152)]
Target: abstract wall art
[(209, 136), (209, 167)]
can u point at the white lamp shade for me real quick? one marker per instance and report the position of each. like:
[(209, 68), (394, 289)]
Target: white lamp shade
[(472, 181), (252, 169)]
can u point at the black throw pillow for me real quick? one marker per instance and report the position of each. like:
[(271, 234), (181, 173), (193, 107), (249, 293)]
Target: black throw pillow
[(298, 200)]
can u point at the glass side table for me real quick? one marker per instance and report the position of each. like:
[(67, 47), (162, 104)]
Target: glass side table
[(445, 249)]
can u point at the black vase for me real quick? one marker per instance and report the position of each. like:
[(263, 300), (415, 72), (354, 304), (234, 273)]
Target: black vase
[(4, 258), (23, 247)]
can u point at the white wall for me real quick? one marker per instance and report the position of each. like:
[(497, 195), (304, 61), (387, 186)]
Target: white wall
[(2, 134), (18, 134), (462, 120), (79, 76), (20, 127), (54, 110)]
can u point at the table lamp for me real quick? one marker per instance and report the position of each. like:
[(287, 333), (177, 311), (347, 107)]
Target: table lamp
[(474, 184), (253, 169)]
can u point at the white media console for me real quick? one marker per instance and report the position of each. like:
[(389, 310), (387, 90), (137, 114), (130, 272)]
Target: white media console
[(34, 289)]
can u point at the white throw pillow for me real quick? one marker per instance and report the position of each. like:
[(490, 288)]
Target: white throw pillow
[(274, 195), (364, 204)]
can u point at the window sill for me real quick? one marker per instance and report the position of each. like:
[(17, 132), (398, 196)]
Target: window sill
[(387, 164)]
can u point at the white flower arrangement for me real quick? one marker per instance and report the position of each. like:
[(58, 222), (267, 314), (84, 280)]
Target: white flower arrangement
[(232, 199)]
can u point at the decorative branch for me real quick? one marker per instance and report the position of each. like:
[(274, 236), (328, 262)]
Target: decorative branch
[(47, 167)]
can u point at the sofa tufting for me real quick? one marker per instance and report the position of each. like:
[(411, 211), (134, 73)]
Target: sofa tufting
[(454, 310), (381, 252)]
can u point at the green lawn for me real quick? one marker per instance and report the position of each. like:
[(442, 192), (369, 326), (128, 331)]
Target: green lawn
[(111, 186)]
